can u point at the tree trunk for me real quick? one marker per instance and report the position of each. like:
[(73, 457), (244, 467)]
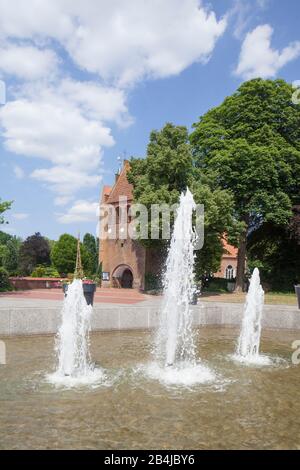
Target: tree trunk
[(241, 261)]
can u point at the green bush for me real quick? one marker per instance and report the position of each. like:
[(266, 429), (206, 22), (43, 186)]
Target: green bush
[(44, 271), (4, 281), (217, 284)]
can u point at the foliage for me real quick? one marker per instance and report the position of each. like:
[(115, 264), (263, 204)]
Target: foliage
[(250, 145), (44, 271), (168, 170), (11, 256), (90, 244), (276, 252), (4, 280), (4, 237), (63, 255), (33, 251), (217, 284), (4, 206)]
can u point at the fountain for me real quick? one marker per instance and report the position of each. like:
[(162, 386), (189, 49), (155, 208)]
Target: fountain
[(174, 347), (249, 341), (73, 335), (72, 340), (175, 338)]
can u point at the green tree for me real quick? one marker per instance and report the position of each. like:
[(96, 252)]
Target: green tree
[(33, 251), (4, 206), (11, 257), (63, 255), (4, 280), (90, 244), (168, 170), (250, 145)]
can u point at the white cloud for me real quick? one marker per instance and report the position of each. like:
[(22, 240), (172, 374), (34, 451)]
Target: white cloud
[(120, 41), (53, 124), (80, 211), (65, 122), (66, 181), (259, 59), (27, 62), (19, 172), (20, 215)]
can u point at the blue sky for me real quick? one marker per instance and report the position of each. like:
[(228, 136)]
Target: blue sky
[(88, 80)]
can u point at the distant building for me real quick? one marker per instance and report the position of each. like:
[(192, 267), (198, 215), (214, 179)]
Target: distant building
[(126, 262)]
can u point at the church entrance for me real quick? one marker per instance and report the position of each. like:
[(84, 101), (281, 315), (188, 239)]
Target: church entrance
[(127, 279), (123, 277)]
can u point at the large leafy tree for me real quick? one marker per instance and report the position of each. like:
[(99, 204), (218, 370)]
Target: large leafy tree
[(33, 251), (169, 169), (250, 145), (63, 255)]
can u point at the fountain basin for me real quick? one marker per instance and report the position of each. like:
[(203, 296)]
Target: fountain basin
[(45, 319), (243, 408)]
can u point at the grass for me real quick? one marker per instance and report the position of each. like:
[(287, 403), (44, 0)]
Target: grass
[(271, 298)]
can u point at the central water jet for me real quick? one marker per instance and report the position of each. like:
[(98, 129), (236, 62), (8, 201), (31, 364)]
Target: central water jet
[(175, 338)]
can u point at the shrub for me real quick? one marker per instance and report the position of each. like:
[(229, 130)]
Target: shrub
[(44, 271), (4, 280), (217, 284)]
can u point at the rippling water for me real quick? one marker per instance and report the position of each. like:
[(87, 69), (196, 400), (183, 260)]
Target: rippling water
[(133, 406)]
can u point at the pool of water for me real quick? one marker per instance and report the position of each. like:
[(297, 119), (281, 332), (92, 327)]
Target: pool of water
[(133, 406)]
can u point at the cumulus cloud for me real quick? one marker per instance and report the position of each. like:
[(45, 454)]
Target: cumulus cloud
[(27, 62), (120, 41), (259, 59), (80, 211), (64, 128), (65, 122)]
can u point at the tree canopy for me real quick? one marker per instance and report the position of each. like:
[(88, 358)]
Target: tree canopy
[(250, 146), (33, 251)]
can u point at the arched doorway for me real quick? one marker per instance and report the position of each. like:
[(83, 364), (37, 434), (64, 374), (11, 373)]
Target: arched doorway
[(127, 279), (123, 277)]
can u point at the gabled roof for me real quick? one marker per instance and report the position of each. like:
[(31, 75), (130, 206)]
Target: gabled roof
[(121, 187)]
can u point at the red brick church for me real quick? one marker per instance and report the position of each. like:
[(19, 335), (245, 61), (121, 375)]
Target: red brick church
[(125, 262)]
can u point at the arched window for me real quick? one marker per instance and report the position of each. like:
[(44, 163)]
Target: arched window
[(229, 272)]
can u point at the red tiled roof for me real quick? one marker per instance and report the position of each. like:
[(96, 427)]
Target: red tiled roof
[(121, 187)]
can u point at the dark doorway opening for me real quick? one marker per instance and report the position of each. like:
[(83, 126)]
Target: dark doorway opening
[(127, 279)]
